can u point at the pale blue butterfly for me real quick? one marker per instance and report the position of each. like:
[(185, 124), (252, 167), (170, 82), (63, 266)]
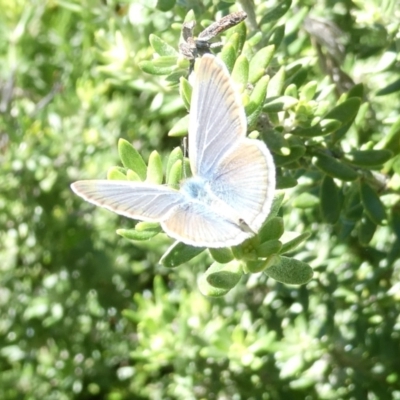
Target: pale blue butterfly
[(230, 193)]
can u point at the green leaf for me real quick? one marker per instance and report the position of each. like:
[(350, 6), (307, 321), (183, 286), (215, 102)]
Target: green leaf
[(325, 127), (259, 63), (299, 77), (395, 219), (165, 5), (368, 158), (175, 155), (268, 248), (272, 229), (240, 72), (330, 200), (133, 234), (338, 134), (115, 174), (175, 175), (157, 66), (291, 91), (295, 242), (224, 276), (256, 101), (276, 84), (148, 226), (276, 12), (240, 31), (185, 90), (352, 202), (253, 267), (307, 92), (254, 39), (133, 176), (391, 141), (180, 128), (278, 104), (372, 204), (234, 41), (210, 291), (276, 36), (345, 112), (190, 16), (276, 142), (131, 158), (285, 182), (296, 152), (162, 48), (154, 169), (178, 254), (389, 89), (228, 56), (222, 255), (366, 230), (335, 168), (356, 91), (305, 200), (290, 271), (276, 205)]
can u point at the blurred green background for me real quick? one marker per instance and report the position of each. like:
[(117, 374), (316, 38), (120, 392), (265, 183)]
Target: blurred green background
[(86, 314)]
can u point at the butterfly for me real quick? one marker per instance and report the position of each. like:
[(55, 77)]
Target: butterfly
[(228, 196)]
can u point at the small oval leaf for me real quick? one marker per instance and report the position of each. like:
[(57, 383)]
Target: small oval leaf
[(276, 12), (115, 174), (162, 48), (276, 83), (269, 248), (290, 271), (366, 230), (335, 168), (210, 291), (228, 56), (175, 155), (180, 128), (131, 158), (224, 276), (154, 169), (178, 254), (175, 175), (330, 200), (345, 112), (133, 234), (372, 204), (259, 63), (368, 158), (222, 255), (240, 72), (272, 229), (324, 128), (295, 242)]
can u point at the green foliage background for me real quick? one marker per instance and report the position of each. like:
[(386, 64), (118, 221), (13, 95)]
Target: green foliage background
[(87, 314)]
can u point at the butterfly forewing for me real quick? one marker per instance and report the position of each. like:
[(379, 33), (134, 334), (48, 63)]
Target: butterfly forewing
[(217, 119), (135, 200)]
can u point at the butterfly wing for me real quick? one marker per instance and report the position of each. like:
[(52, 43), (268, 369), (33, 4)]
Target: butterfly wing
[(245, 180), (190, 222), (217, 119), (240, 171), (137, 200), (197, 224)]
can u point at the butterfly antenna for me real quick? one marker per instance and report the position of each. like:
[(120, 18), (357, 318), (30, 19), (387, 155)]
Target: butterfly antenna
[(185, 156)]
